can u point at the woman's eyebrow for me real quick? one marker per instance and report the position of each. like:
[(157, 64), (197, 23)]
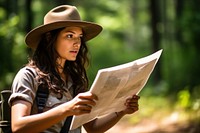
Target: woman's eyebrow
[(72, 32)]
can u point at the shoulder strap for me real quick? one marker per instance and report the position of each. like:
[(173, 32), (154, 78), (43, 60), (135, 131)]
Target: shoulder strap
[(66, 125), (41, 94), (41, 99)]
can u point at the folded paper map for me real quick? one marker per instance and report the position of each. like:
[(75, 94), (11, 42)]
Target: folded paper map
[(115, 84)]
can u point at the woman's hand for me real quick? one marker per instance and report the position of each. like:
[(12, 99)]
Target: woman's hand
[(131, 104), (82, 103)]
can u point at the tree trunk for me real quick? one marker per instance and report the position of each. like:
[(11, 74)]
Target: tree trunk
[(155, 20)]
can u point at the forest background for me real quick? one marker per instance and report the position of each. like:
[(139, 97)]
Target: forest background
[(132, 29)]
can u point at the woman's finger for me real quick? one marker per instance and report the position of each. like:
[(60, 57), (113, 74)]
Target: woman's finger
[(88, 95), (136, 97)]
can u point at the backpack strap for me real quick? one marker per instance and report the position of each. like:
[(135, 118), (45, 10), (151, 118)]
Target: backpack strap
[(41, 94), (66, 126), (41, 99)]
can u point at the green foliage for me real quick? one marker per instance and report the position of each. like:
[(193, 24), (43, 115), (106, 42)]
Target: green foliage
[(189, 102), (127, 36), (180, 65), (11, 47), (184, 98), (196, 99), (161, 108), (2, 13)]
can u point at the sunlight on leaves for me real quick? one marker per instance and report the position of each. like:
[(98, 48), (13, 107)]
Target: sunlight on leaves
[(184, 98)]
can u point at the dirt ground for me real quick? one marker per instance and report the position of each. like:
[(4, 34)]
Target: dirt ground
[(148, 126), (153, 127)]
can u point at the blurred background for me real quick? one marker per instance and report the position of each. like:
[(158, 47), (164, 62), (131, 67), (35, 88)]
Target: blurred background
[(170, 101)]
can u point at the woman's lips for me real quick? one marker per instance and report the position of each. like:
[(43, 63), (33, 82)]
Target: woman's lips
[(74, 51)]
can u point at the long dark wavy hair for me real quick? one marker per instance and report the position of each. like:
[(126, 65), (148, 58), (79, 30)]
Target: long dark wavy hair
[(44, 62)]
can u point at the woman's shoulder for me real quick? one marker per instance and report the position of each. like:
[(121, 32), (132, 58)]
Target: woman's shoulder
[(27, 70), (24, 85)]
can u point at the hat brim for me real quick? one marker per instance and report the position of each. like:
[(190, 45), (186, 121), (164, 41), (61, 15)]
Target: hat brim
[(90, 30)]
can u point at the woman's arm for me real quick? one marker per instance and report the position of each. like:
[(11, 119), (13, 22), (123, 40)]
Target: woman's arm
[(104, 123), (23, 122)]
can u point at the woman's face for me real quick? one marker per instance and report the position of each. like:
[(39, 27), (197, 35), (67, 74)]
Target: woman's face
[(68, 43)]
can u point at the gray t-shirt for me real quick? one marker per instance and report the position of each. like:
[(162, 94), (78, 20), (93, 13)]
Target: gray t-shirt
[(25, 86)]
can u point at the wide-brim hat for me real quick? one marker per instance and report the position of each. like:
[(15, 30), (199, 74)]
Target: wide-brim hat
[(58, 17)]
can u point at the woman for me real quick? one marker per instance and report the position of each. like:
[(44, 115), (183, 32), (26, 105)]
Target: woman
[(58, 65)]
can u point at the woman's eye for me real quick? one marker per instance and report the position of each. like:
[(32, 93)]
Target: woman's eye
[(69, 36), (81, 37), (73, 37)]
